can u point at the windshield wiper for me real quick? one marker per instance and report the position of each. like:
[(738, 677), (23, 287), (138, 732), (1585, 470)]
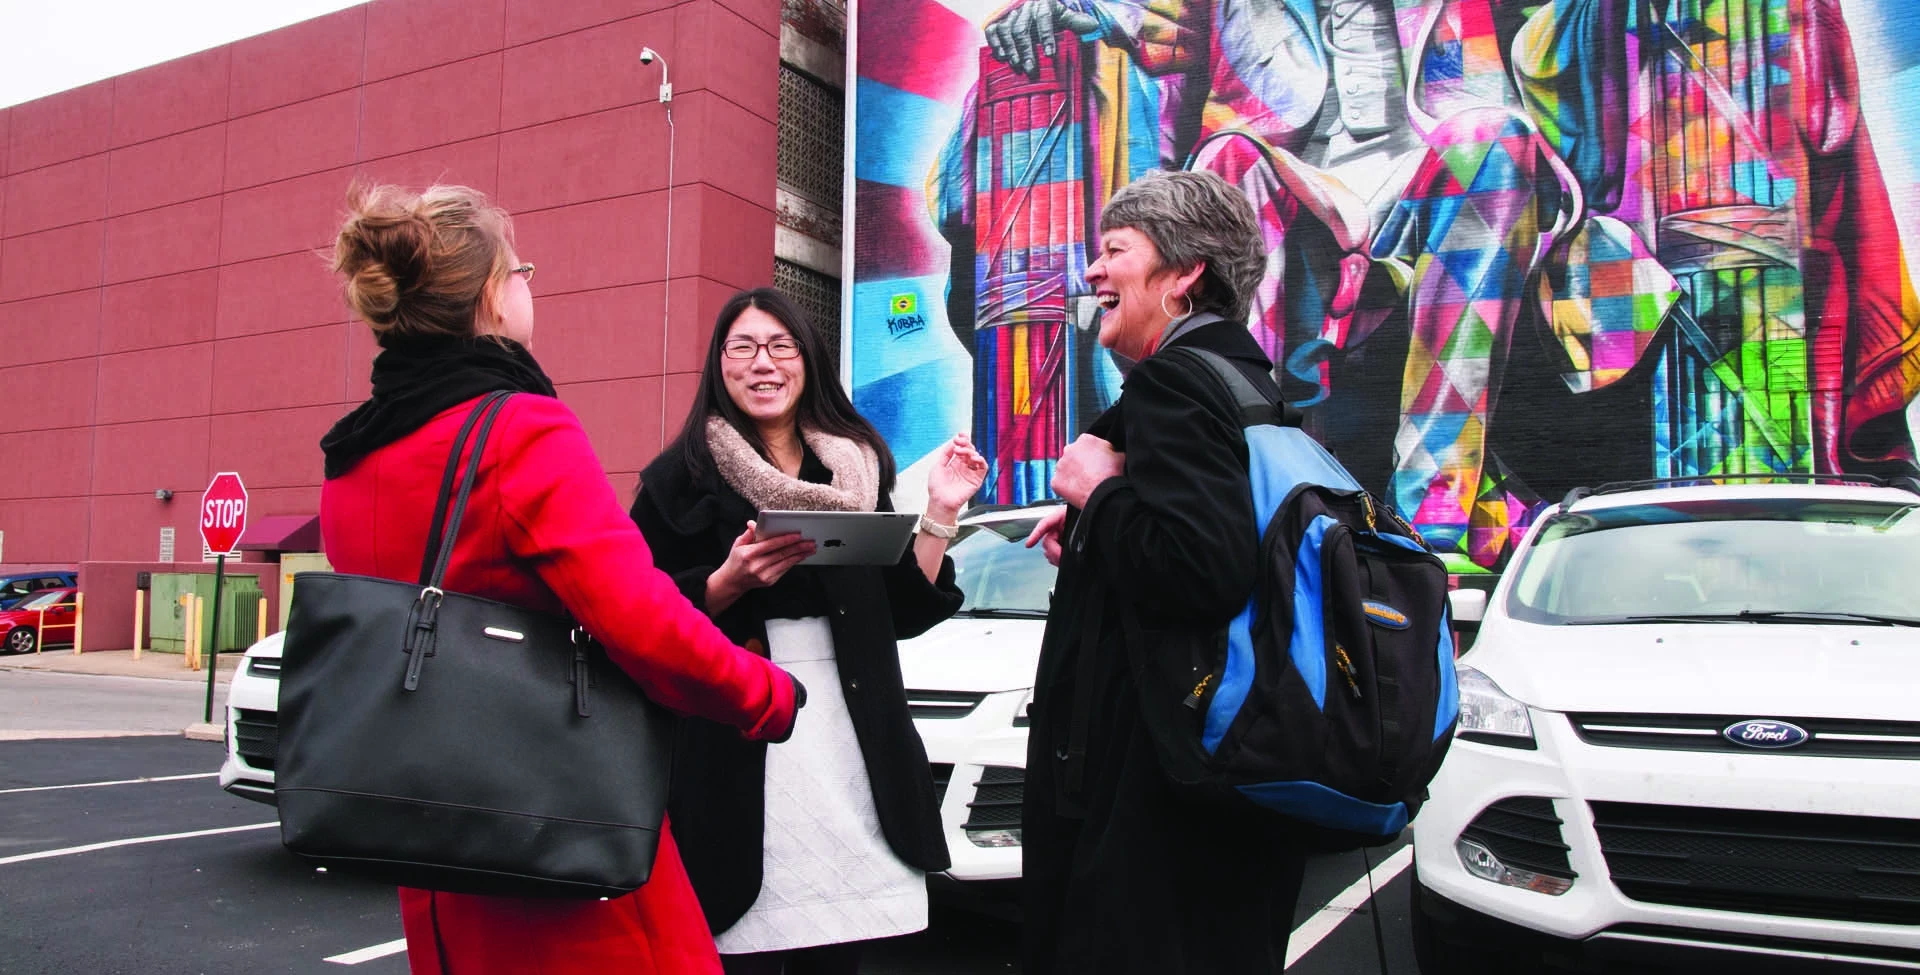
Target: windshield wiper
[(1656, 618), (998, 613), (1752, 616), (1796, 615)]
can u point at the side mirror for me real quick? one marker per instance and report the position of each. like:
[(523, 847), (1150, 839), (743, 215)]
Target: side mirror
[(1467, 605)]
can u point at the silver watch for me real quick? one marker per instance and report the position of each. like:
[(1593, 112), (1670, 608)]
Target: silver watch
[(937, 529)]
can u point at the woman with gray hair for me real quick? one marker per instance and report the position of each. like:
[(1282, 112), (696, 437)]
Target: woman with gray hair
[(1120, 873)]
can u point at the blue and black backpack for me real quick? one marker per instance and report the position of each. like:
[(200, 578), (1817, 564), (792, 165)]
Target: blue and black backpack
[(1330, 699)]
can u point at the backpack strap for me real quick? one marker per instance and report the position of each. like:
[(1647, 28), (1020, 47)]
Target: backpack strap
[(1256, 407)]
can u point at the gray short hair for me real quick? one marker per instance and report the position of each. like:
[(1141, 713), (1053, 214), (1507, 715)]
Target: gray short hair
[(1192, 217)]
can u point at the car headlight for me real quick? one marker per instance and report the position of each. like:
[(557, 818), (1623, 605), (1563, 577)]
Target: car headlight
[(1489, 716), (1020, 719)]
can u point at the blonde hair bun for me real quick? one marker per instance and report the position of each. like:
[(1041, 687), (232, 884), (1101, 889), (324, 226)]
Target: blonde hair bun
[(420, 264)]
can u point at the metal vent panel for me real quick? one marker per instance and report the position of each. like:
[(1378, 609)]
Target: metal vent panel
[(818, 296), (812, 138)]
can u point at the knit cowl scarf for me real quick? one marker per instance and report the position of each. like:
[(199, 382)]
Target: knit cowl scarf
[(856, 472)]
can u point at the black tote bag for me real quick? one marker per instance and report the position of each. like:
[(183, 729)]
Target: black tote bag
[(438, 740)]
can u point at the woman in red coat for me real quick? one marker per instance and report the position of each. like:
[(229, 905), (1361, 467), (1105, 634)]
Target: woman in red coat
[(436, 277)]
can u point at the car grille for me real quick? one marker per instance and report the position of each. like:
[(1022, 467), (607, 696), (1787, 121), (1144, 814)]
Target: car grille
[(256, 737), (1524, 832), (997, 798), (942, 704), (267, 667), (1828, 737), (942, 774), (1847, 868)]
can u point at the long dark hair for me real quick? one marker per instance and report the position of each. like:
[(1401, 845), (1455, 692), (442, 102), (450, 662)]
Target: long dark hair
[(823, 403)]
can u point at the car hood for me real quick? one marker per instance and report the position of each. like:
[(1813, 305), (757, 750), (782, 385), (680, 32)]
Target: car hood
[(989, 655), (1749, 669), (268, 646)]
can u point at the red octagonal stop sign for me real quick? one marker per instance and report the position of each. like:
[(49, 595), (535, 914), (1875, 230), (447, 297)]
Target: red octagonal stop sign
[(223, 513)]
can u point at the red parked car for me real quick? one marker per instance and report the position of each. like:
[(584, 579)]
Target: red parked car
[(52, 609)]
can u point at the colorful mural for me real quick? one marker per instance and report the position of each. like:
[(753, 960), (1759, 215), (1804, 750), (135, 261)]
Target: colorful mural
[(1515, 246)]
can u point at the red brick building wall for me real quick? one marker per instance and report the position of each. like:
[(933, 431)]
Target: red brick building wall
[(165, 308)]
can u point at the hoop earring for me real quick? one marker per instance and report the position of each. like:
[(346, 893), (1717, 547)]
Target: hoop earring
[(1170, 315)]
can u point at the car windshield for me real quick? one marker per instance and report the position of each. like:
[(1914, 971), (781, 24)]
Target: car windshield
[(1756, 559), (44, 600), (998, 573)]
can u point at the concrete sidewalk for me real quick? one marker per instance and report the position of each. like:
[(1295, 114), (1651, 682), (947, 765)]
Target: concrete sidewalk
[(118, 663)]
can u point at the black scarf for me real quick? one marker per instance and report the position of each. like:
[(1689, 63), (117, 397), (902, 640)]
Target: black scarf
[(416, 380)]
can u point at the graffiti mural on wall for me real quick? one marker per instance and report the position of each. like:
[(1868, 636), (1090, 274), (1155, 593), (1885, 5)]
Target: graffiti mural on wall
[(1515, 246)]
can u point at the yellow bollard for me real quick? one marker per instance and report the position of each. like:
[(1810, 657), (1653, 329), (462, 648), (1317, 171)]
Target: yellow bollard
[(139, 607), (189, 652), (260, 624), (79, 619), (199, 638), (40, 632)]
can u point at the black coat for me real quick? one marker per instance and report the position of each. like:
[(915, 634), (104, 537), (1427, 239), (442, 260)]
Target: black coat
[(717, 802), (1122, 875)]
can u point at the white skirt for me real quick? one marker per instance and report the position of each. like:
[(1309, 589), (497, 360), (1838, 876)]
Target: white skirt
[(827, 873)]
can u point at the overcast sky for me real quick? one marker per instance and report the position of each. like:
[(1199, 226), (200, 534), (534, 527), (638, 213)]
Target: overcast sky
[(53, 45)]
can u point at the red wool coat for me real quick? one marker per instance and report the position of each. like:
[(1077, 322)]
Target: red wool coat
[(543, 530)]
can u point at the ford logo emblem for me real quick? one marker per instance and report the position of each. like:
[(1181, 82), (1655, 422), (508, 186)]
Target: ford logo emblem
[(1758, 733)]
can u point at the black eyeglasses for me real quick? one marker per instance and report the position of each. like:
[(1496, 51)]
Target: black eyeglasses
[(526, 269), (780, 348)]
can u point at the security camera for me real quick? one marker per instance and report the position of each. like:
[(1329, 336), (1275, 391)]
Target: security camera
[(648, 56), (163, 495)]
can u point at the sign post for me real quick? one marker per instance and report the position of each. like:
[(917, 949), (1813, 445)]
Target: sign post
[(223, 518)]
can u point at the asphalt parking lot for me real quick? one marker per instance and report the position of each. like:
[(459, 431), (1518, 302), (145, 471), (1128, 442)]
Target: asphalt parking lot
[(122, 855)]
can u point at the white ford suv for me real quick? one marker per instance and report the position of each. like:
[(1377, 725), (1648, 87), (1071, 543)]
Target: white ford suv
[(253, 725), (1690, 726)]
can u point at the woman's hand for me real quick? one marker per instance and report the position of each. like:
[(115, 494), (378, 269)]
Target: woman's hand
[(958, 471), (1086, 462), (754, 564), (1048, 532)]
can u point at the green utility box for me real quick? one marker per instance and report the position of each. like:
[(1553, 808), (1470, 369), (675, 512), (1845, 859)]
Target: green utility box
[(239, 611)]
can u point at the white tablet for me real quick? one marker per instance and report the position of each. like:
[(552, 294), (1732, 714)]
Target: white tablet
[(845, 537)]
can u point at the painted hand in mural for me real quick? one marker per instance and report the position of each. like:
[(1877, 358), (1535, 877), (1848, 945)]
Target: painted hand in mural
[(1047, 533), (1029, 27), (958, 471), (1086, 462)]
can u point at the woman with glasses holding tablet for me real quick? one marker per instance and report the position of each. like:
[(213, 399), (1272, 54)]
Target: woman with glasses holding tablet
[(836, 850)]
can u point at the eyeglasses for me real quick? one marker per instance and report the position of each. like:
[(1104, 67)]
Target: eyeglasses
[(526, 269), (780, 348)]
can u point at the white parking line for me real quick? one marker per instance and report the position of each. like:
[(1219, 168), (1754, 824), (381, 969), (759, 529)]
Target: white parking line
[(68, 734), (1327, 918), (369, 954), (96, 785), (135, 841)]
